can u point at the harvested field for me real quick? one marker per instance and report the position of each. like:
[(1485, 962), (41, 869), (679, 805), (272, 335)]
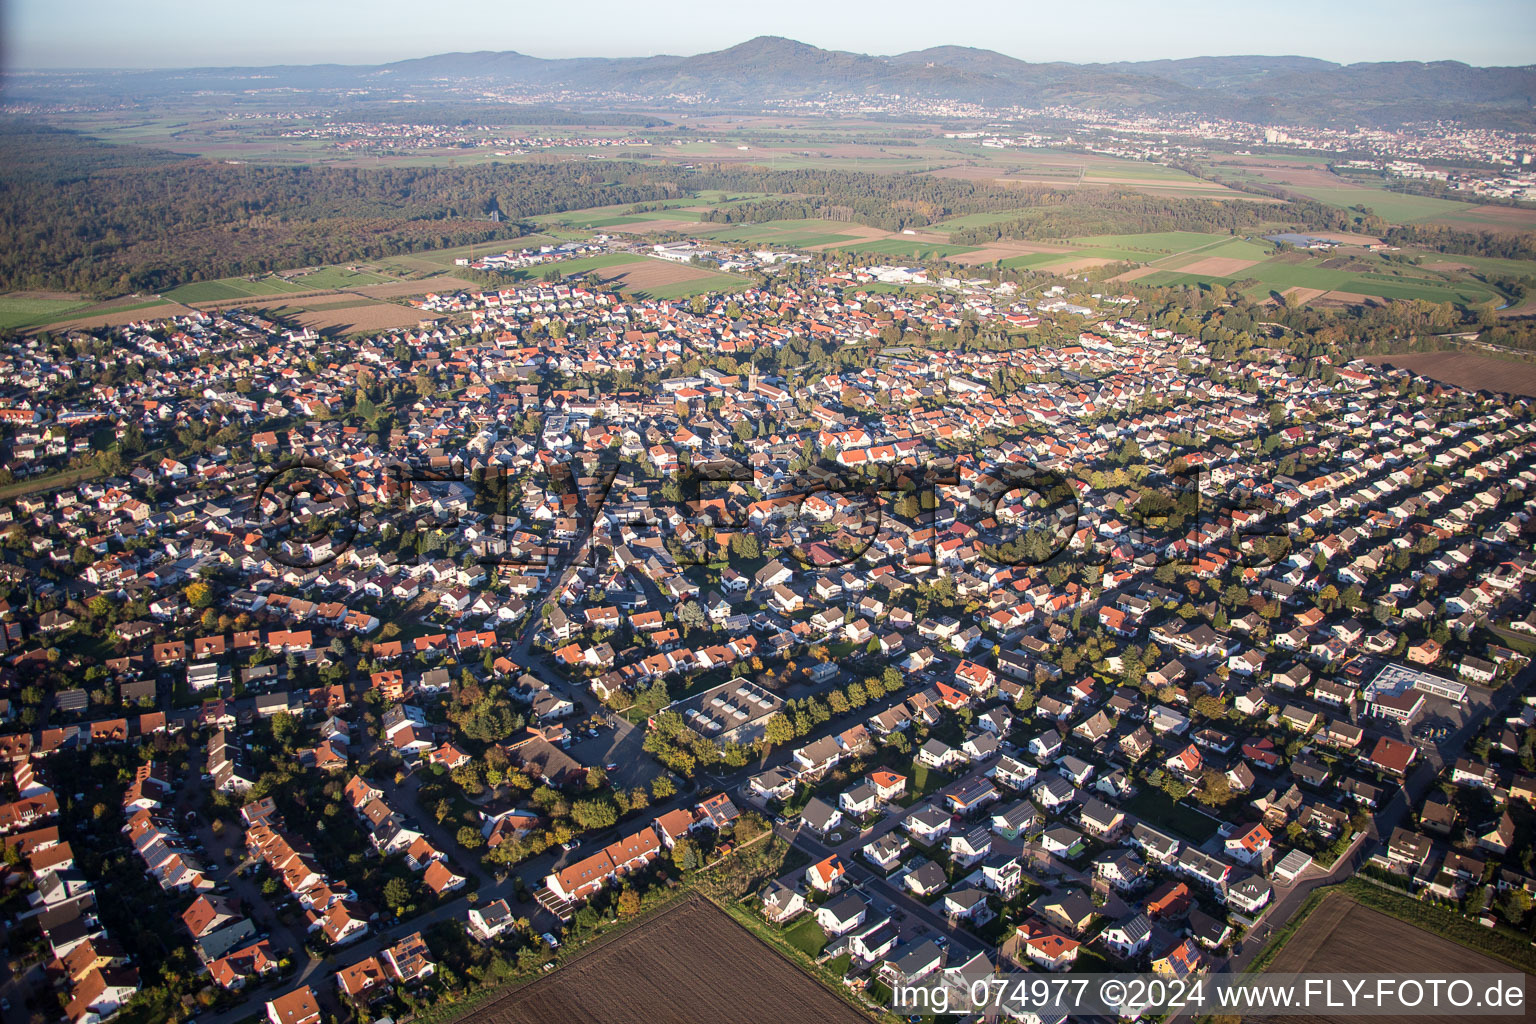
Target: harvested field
[(689, 963), (395, 289), (852, 230), (1510, 220), (360, 315), (1139, 272), (126, 314), (1302, 294), (653, 274), (1350, 298), (1079, 263), (1218, 266), (1004, 251), (642, 227), (1342, 936), (1468, 370)]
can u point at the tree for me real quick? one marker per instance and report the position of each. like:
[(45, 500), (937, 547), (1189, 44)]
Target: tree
[(628, 903), (662, 787), (593, 814), (397, 894), (469, 837), (1215, 790), (691, 615), (778, 729), (284, 729), (685, 855), (199, 594)]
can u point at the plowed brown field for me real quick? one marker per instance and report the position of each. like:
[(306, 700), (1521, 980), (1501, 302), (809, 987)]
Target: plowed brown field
[(1468, 370), (691, 964), (1342, 936)]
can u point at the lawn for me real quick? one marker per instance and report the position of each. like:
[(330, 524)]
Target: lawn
[(806, 936), (1155, 807)]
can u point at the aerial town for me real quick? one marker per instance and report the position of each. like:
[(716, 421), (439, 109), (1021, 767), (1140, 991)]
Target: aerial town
[(371, 672)]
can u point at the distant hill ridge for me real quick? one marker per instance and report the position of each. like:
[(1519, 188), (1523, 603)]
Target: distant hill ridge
[(1288, 89)]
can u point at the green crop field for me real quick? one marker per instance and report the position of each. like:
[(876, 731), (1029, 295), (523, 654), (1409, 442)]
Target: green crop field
[(1037, 259), (338, 277), (906, 249), (688, 289), (1479, 217), (1155, 243), (1232, 249), (577, 266), (973, 220), (1278, 276), (768, 231), (793, 239), (1483, 264), (235, 288), (1397, 207), (25, 311)]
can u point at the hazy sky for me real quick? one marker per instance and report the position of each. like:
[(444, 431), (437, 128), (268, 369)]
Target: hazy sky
[(190, 33)]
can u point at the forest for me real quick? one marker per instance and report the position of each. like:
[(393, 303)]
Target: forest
[(894, 202), (87, 216), (1498, 245)]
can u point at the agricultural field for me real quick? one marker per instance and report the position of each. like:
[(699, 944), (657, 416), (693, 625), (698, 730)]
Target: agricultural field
[(1309, 176), (229, 288), (906, 248), (800, 234), (1344, 275), (1500, 219), (689, 963), (336, 278), (1342, 935), (1345, 285), (26, 309), (1397, 207), (1467, 370), (22, 310), (1065, 169), (348, 315), (661, 279)]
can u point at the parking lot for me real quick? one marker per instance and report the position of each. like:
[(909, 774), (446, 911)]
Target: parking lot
[(617, 743)]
